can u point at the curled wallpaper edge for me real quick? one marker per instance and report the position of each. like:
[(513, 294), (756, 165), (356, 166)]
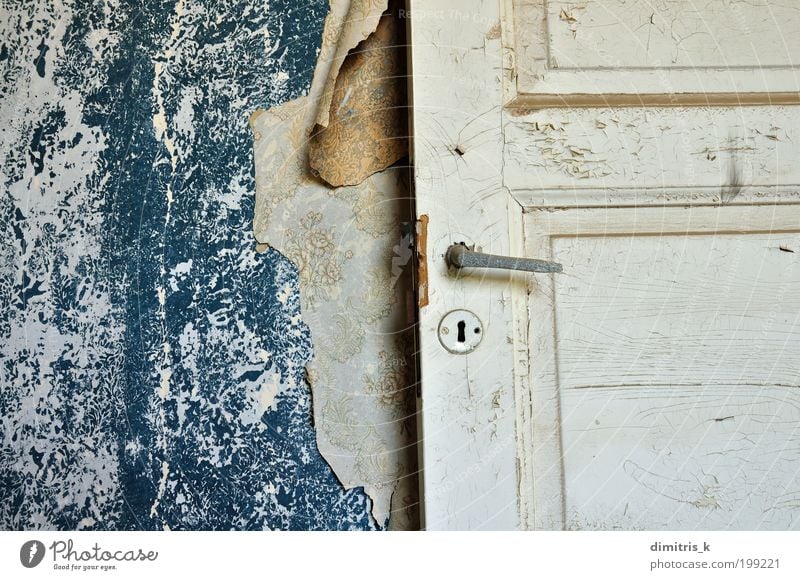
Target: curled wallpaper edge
[(348, 24), (346, 245), (368, 126)]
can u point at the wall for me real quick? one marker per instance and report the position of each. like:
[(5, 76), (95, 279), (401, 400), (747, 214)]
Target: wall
[(143, 340)]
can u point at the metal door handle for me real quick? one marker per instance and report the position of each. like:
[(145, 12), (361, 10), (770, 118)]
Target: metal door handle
[(459, 256)]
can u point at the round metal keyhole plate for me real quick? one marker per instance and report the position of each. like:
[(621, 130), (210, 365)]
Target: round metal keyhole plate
[(460, 331)]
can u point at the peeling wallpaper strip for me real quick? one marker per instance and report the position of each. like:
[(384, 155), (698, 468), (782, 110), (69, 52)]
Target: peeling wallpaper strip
[(368, 128), (349, 23), (152, 362), (353, 262)]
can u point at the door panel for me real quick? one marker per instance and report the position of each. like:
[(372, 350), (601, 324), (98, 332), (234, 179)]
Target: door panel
[(658, 155), (671, 378), (597, 53), (672, 34)]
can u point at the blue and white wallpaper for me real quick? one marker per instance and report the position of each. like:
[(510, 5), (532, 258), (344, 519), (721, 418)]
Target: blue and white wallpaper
[(151, 361)]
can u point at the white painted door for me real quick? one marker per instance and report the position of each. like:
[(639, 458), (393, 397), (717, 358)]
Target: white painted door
[(650, 148)]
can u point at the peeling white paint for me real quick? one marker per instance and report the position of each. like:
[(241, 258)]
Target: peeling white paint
[(162, 487)]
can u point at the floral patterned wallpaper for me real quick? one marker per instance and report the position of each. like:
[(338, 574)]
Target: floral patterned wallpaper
[(152, 362), (351, 250)]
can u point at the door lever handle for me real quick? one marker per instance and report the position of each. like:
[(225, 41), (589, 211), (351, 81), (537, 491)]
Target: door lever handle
[(459, 256)]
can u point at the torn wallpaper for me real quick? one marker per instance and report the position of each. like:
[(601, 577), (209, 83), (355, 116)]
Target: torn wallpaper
[(349, 23), (151, 361), (352, 256), (367, 130)]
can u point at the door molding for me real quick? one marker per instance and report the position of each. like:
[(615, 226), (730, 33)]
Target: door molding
[(570, 54)]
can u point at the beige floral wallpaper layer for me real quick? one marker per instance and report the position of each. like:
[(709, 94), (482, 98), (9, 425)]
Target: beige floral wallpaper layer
[(352, 254)]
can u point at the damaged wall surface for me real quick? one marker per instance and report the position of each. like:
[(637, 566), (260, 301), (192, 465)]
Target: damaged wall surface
[(329, 198), (151, 360)]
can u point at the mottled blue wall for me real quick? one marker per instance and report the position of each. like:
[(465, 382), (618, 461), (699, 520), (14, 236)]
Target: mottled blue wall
[(141, 335)]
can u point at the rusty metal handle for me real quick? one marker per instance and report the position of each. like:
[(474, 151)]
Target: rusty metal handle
[(459, 256)]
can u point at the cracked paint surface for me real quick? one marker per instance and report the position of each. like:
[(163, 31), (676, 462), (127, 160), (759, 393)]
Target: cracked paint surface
[(151, 361)]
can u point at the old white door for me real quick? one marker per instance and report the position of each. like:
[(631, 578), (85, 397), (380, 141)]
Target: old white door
[(652, 149)]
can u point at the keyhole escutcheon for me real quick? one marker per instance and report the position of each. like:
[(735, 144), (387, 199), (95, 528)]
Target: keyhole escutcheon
[(460, 331)]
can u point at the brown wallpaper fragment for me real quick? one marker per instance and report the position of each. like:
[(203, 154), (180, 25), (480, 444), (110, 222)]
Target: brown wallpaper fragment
[(367, 129), (349, 23)]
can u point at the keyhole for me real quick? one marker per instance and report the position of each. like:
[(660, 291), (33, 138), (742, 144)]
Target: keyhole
[(456, 331)]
